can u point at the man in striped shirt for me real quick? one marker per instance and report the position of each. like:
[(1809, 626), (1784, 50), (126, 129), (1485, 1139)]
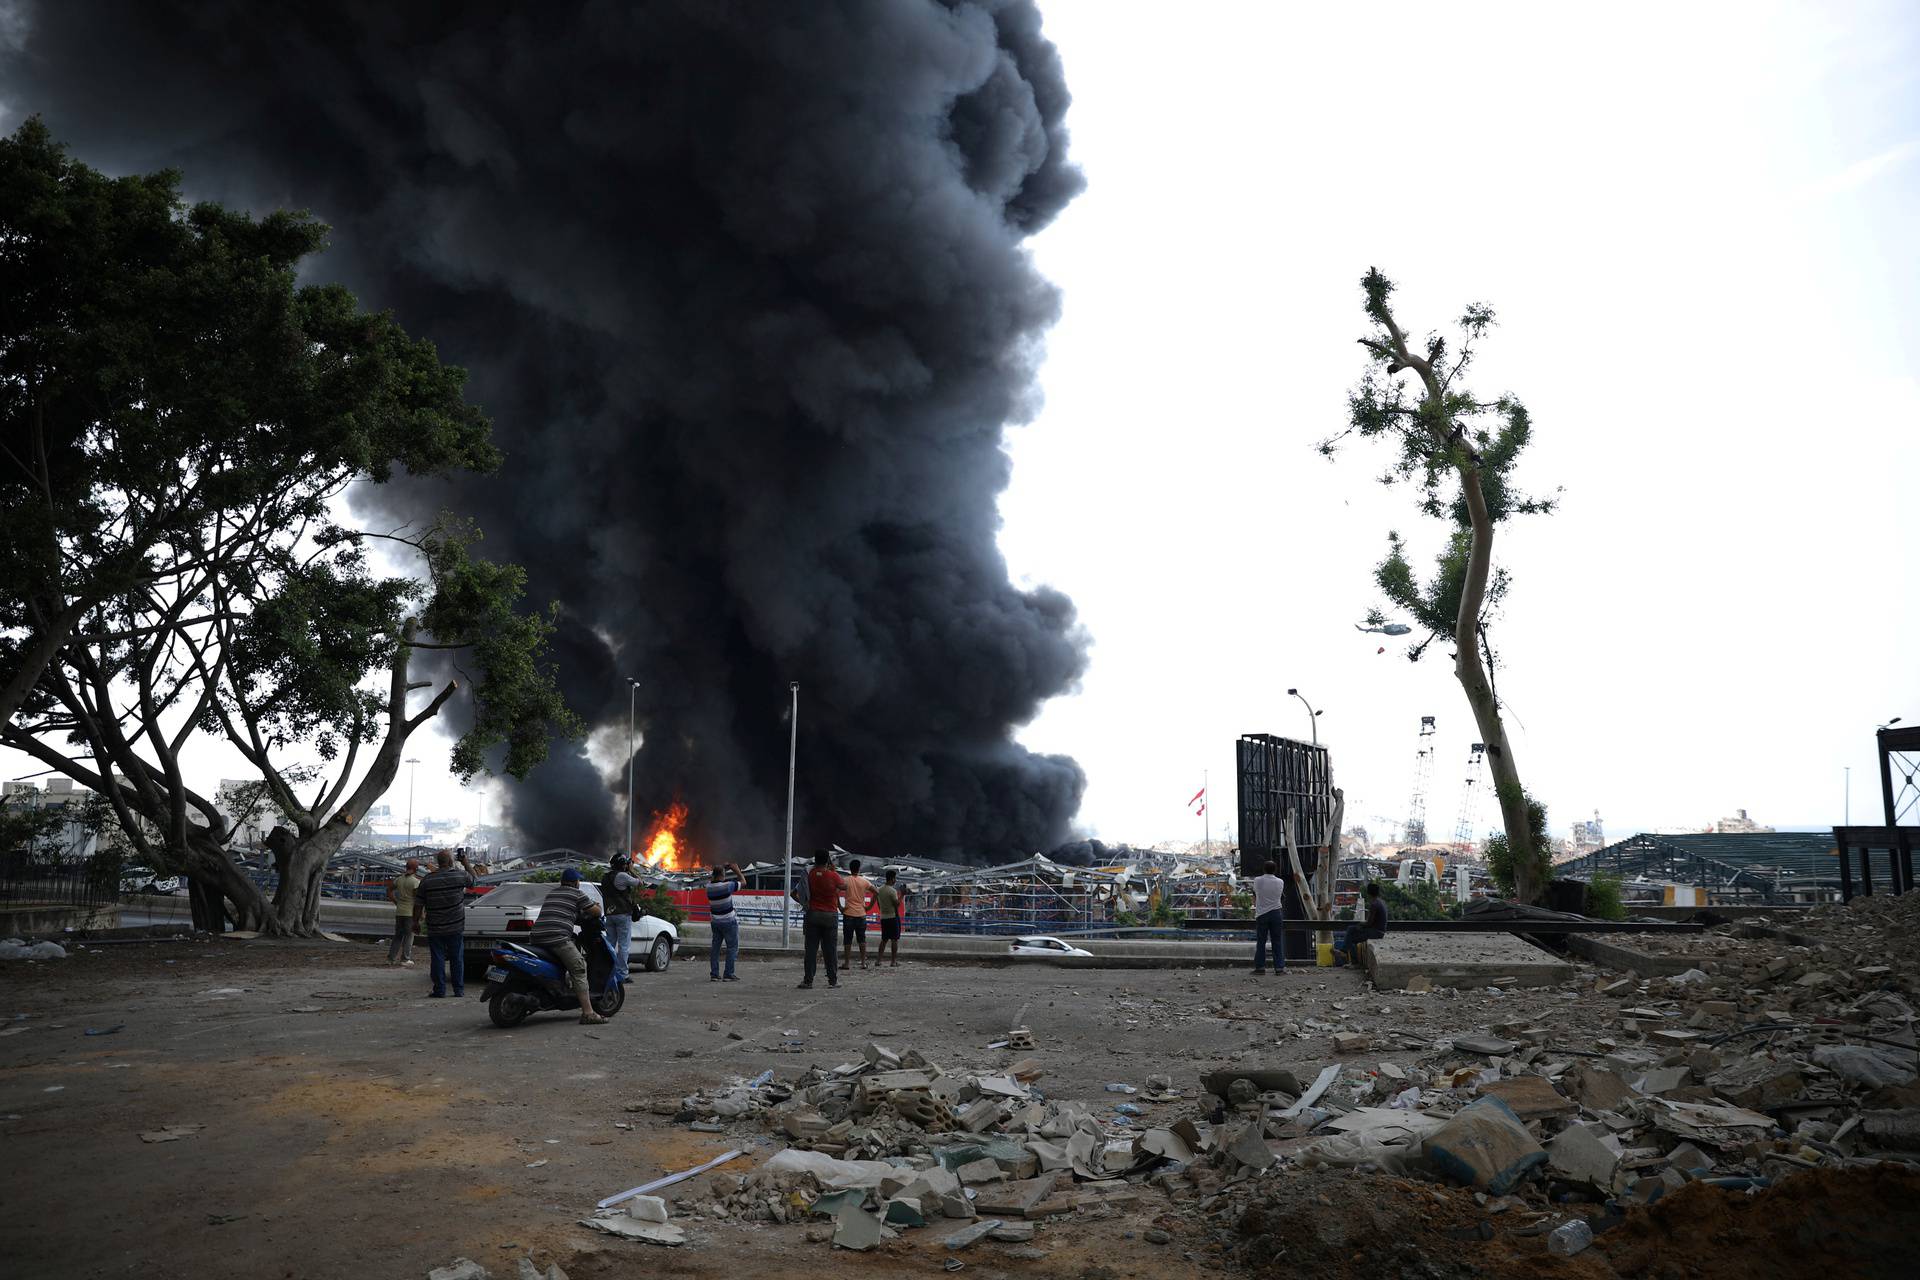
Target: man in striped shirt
[(722, 884), (443, 893)]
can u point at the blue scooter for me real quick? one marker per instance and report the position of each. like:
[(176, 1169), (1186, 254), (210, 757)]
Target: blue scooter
[(525, 979)]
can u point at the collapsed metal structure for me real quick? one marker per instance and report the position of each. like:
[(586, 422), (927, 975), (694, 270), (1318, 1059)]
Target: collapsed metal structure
[(1761, 868)]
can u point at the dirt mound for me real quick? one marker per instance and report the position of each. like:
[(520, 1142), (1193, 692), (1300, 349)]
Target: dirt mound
[(1855, 1223), (1858, 1223)]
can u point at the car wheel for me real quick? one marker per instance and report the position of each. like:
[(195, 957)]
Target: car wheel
[(608, 1002), (660, 955)]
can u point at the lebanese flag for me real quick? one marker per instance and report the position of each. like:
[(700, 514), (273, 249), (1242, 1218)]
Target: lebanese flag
[(1199, 798)]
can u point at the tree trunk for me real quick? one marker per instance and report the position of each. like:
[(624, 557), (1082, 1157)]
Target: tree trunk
[(296, 904), (210, 866)]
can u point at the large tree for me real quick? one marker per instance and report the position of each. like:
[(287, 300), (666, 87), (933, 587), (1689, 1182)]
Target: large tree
[(1459, 451), (182, 421)]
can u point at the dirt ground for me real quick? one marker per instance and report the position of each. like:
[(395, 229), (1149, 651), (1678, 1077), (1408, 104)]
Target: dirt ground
[(352, 1127)]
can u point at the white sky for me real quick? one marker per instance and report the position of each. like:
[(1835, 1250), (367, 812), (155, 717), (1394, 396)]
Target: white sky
[(1696, 224)]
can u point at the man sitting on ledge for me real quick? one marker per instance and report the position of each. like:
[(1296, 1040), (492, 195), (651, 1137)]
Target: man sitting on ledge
[(1348, 952)]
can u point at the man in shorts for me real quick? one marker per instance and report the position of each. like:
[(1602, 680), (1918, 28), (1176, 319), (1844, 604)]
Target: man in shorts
[(856, 899), (892, 898), (565, 907)]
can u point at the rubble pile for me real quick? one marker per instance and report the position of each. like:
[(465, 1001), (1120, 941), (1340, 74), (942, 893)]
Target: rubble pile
[(1780, 1051)]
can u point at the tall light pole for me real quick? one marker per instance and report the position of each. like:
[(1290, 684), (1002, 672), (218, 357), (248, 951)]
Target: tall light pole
[(411, 761), (793, 760), (633, 694), (1846, 796), (1313, 717)]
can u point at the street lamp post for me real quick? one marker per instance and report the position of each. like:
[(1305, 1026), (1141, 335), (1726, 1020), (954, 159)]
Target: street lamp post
[(633, 695), (1313, 717), (793, 760), (411, 761)]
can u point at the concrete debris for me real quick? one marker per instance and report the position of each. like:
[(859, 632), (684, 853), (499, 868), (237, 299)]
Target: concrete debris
[(661, 1233), (459, 1269), (1641, 1085), (19, 949), (171, 1133), (1485, 1146)]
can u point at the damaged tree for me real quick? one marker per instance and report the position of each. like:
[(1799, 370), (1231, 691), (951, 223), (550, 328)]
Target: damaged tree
[(1462, 451), (210, 450)]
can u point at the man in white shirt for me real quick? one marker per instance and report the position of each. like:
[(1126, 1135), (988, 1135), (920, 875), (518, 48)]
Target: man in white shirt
[(1269, 902)]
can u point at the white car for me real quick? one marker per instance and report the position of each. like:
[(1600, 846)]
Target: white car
[(506, 914), (143, 880), (1046, 948)]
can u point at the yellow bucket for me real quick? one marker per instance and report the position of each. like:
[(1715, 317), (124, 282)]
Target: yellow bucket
[(1325, 951)]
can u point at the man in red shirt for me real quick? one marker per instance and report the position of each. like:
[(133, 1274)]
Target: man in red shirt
[(824, 888)]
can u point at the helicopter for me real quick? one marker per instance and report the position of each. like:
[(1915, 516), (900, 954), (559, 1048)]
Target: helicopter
[(1390, 629)]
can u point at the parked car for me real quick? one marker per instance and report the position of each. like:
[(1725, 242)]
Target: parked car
[(143, 880), (1045, 948), (507, 913)]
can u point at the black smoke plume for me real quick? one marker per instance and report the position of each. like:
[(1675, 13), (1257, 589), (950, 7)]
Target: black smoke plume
[(742, 286)]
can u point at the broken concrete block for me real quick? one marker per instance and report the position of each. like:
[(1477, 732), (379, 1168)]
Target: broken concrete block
[(1014, 1199), (1622, 987), (1673, 1036), (459, 1269), (647, 1209), (1758, 1083), (1350, 1042), (981, 1171), (1013, 1233), (1598, 1089), (882, 1057), (1690, 1159), (904, 1211), (1585, 1153), (855, 1228), (1491, 1046), (1418, 983), (956, 1206), (1663, 1080), (965, 1237), (1249, 1147), (1485, 1146), (982, 1115), (1529, 1097)]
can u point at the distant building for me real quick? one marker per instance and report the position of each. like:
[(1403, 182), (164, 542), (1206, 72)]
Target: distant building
[(1739, 822)]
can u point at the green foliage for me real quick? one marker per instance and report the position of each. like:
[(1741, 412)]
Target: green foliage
[(1163, 913), (1604, 900), (1500, 854), (1417, 901), (1440, 432), (1240, 906), (654, 901), (28, 828), (187, 415), (1128, 919)]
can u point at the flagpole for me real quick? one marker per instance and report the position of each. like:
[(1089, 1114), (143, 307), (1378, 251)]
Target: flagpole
[(1206, 822)]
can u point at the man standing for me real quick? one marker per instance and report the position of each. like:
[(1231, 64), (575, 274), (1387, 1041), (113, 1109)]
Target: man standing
[(1269, 918), (856, 900), (823, 901), (722, 884), (443, 893), (1375, 927), (892, 899), (616, 891), (405, 913)]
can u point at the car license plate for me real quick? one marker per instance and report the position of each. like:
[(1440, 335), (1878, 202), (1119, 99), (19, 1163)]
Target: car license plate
[(496, 974)]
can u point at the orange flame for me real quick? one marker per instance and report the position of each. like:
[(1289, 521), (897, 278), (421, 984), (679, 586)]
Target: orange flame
[(663, 848)]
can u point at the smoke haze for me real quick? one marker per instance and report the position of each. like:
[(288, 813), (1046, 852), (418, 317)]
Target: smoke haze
[(742, 287)]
